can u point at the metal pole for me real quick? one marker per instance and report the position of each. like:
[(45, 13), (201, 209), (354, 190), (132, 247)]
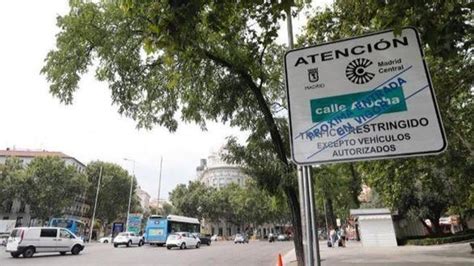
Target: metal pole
[(314, 222), (159, 187), (289, 25), (308, 221), (301, 193), (309, 256), (95, 205), (131, 188), (300, 169)]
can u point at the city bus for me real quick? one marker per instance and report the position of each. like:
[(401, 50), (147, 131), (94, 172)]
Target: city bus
[(74, 225), (159, 227)]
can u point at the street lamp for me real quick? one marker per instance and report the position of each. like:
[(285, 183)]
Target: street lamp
[(131, 187)]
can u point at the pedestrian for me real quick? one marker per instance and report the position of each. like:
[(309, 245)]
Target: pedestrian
[(343, 235), (332, 236)]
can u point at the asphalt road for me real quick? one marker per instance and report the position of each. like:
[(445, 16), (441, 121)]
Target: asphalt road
[(219, 253)]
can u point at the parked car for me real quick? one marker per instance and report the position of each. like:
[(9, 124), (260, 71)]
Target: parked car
[(241, 239), (215, 238), (106, 239), (27, 241), (271, 237), (182, 240), (128, 239), (282, 237), (204, 239)]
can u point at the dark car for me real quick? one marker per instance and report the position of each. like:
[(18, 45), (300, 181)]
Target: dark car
[(205, 239)]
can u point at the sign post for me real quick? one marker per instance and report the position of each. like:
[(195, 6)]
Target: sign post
[(368, 97), (309, 228)]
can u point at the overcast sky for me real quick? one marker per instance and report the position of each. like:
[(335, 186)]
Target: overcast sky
[(91, 128)]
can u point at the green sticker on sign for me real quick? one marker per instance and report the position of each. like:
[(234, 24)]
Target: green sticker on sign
[(389, 100)]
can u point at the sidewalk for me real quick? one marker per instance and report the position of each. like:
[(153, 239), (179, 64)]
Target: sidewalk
[(354, 253)]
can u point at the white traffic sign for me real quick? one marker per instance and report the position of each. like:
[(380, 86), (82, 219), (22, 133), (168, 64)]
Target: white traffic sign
[(368, 97)]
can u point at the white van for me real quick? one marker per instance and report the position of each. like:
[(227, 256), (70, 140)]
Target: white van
[(30, 240)]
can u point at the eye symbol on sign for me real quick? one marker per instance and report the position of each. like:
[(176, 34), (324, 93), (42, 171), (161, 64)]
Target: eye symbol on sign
[(313, 74), (357, 72)]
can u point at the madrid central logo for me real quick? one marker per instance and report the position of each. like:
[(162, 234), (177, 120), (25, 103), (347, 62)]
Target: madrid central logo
[(357, 72)]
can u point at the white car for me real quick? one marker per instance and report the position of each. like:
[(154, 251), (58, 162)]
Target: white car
[(27, 241), (182, 240), (128, 239), (241, 239), (106, 239), (215, 238)]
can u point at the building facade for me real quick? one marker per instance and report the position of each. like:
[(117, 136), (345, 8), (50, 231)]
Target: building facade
[(215, 172), (144, 198), (19, 211)]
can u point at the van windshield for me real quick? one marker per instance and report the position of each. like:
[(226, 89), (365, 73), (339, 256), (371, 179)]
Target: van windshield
[(15, 233)]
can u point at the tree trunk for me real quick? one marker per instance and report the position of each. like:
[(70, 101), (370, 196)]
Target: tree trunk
[(331, 218), (355, 186), (293, 202), (436, 228)]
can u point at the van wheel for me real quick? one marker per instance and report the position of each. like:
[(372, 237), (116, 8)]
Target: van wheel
[(62, 253), (28, 253), (15, 254), (183, 246), (129, 243), (75, 250), (198, 244)]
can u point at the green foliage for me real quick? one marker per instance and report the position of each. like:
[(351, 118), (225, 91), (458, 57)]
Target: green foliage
[(425, 187), (12, 175), (339, 186), (235, 204), (112, 203), (50, 186), (440, 240)]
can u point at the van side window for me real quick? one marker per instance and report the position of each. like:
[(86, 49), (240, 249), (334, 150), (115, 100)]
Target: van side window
[(64, 234), (49, 232)]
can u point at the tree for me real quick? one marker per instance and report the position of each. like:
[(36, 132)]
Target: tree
[(426, 187), (196, 200), (211, 60), (167, 209), (112, 202), (12, 175), (241, 206), (50, 186)]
